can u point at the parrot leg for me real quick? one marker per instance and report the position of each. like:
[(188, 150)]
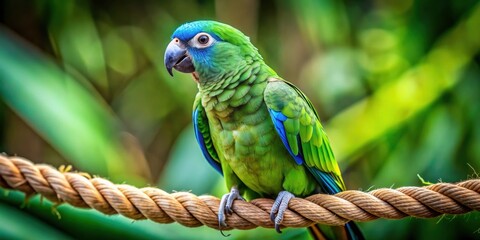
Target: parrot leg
[(226, 205), (279, 207)]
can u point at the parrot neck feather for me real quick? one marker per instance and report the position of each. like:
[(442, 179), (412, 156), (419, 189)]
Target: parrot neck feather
[(215, 84), (233, 89)]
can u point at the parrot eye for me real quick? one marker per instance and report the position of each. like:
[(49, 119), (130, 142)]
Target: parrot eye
[(202, 40)]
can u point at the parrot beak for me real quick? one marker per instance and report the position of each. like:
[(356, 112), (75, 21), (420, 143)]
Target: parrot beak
[(176, 56)]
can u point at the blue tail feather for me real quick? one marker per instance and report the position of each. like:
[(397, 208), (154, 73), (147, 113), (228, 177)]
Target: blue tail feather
[(353, 232), (349, 231)]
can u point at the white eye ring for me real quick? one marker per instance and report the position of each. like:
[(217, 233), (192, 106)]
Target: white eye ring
[(202, 40)]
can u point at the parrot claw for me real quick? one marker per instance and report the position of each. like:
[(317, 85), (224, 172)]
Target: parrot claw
[(226, 203), (279, 207)]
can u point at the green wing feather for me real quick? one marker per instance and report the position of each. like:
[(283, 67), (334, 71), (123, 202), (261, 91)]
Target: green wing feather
[(202, 134), (303, 131)]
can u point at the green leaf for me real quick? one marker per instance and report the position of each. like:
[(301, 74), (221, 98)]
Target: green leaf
[(71, 117)]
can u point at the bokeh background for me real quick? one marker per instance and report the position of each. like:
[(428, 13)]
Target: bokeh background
[(82, 83)]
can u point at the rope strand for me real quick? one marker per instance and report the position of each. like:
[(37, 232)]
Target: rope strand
[(193, 211)]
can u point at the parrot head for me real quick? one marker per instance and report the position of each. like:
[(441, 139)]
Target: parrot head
[(208, 50)]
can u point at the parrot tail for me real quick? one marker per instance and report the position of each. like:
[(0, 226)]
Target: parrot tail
[(348, 232)]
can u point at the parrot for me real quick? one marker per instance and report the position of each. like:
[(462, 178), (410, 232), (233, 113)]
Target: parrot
[(256, 129)]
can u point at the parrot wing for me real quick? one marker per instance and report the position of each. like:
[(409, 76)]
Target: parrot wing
[(202, 134), (297, 123)]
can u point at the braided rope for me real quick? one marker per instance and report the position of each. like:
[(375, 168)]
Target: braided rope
[(193, 211)]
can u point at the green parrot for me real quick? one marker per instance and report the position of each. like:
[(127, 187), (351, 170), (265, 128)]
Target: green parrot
[(256, 129)]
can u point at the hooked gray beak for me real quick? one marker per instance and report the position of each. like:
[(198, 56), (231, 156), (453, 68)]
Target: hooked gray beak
[(176, 56)]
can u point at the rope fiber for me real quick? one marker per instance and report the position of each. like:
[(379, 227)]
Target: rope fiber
[(192, 211)]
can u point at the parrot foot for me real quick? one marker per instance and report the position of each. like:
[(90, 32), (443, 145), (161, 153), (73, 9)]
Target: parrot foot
[(226, 205), (279, 207)]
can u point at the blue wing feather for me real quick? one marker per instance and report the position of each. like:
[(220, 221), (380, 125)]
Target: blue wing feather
[(278, 118), (326, 180), (201, 142)]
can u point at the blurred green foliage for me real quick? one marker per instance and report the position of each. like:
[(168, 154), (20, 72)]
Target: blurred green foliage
[(82, 83)]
